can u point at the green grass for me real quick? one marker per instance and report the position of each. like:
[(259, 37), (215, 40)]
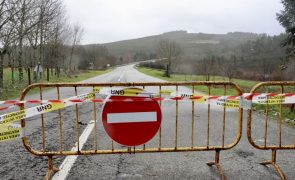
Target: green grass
[(13, 90), (273, 111), (246, 85)]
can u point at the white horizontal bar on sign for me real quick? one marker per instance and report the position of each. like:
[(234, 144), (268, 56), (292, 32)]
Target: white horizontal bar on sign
[(132, 117)]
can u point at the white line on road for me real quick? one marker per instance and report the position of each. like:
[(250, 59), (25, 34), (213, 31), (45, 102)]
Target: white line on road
[(69, 161), (131, 117), (121, 76)]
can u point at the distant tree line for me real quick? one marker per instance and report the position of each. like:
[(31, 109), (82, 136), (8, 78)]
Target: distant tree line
[(261, 59), (96, 56)]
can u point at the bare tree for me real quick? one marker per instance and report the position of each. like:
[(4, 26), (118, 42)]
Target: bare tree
[(263, 69), (207, 66), (33, 31), (229, 67), (7, 12), (170, 50), (77, 33), (25, 21), (288, 70)]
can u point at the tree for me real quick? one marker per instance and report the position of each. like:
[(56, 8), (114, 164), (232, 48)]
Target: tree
[(287, 19), (25, 21), (7, 12), (229, 67), (207, 67), (170, 50), (77, 33)]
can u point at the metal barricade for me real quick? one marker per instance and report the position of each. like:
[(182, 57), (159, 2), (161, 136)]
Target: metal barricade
[(268, 112), (228, 130)]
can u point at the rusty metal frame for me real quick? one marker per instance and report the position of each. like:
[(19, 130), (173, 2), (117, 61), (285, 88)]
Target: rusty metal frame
[(208, 147), (273, 148)]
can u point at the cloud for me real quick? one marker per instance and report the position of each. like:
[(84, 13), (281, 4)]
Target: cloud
[(113, 20)]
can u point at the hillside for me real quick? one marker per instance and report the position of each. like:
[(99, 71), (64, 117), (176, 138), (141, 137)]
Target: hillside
[(193, 44)]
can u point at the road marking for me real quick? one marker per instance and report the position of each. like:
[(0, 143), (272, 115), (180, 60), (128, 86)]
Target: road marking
[(121, 76), (132, 117), (69, 161)]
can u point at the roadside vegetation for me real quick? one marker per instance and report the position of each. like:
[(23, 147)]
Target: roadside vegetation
[(288, 115), (14, 90), (246, 85), (38, 37)]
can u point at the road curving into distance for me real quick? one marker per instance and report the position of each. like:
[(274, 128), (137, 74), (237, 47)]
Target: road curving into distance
[(241, 162)]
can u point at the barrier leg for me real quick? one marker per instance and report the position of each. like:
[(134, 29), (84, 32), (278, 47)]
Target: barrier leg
[(51, 169), (275, 165), (217, 164)]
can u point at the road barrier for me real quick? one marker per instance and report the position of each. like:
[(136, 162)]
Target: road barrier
[(271, 97), (193, 134)]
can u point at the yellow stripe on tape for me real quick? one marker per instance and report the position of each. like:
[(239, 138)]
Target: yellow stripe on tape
[(55, 106), (96, 89), (200, 100), (10, 134), (45, 108), (229, 103), (126, 92), (278, 99), (132, 92), (8, 126), (166, 92), (232, 104), (12, 117)]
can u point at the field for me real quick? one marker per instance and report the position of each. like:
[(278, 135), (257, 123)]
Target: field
[(246, 85), (13, 90)]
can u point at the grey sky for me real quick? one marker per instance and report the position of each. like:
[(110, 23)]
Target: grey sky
[(113, 20)]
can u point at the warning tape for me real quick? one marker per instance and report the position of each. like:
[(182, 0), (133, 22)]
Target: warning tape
[(244, 101), (9, 131)]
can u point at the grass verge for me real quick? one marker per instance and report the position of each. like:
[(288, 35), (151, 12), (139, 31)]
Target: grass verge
[(246, 85), (287, 115), (13, 90)]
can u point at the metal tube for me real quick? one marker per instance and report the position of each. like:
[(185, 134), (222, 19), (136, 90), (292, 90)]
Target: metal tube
[(280, 120), (273, 156), (208, 119), (217, 155), (223, 118), (77, 123), (60, 123), (143, 146), (95, 121), (112, 145), (42, 122), (176, 121), (193, 119), (266, 120), (160, 130)]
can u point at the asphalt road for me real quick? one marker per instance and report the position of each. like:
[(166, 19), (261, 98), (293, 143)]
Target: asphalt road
[(241, 162)]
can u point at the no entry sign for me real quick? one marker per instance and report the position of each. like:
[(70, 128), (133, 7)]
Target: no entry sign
[(132, 122)]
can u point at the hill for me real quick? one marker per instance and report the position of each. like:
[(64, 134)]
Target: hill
[(193, 44)]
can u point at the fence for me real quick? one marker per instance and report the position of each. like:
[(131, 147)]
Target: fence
[(273, 105), (191, 129)]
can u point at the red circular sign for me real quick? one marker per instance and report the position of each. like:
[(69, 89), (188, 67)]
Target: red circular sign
[(131, 121)]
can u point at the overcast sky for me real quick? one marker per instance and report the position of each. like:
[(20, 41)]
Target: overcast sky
[(113, 20)]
